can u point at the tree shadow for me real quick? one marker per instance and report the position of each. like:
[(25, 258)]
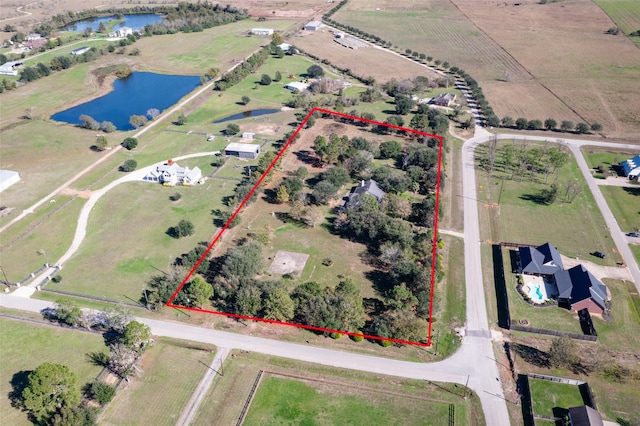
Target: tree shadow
[(380, 280), (536, 198), (269, 195), (531, 355), (373, 306), (632, 191), (173, 232), (97, 358), (307, 157), (561, 414), (19, 381), (111, 337)]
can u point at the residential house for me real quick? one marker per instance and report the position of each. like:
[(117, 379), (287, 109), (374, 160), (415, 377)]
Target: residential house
[(631, 167), (584, 416), (171, 174), (261, 31), (576, 288), (366, 187), (444, 99), (121, 32), (312, 26), (242, 150), (33, 37)]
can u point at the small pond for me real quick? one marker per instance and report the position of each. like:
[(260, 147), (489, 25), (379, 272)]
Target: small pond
[(246, 114), (135, 22), (134, 95)]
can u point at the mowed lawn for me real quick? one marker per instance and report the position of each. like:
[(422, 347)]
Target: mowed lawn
[(126, 241), (625, 205), (171, 370), (280, 401), (26, 345), (576, 228), (546, 395)]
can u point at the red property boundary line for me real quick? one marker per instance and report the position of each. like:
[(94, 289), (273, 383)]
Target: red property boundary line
[(246, 199)]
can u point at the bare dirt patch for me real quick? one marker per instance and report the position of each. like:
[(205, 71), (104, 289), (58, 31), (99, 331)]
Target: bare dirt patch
[(77, 193), (287, 262)]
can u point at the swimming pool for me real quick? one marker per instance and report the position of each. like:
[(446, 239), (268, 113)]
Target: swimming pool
[(536, 291)]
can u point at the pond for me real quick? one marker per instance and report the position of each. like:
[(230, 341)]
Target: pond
[(246, 114), (134, 95), (135, 22)]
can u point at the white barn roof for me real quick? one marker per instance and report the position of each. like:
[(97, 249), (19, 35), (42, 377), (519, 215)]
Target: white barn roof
[(8, 178), (243, 147), (296, 85)]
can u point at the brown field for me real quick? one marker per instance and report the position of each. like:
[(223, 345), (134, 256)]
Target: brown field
[(558, 60), (369, 61)]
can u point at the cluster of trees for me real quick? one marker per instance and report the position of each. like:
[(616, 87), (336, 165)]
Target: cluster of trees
[(194, 17), (88, 122), (248, 66), (550, 124), (52, 395)]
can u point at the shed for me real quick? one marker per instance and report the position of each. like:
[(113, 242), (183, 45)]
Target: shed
[(296, 85), (248, 135), (285, 47), (312, 26), (242, 150), (80, 50), (262, 31), (8, 178)]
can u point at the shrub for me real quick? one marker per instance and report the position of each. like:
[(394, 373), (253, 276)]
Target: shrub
[(175, 197), (357, 338), (102, 392), (129, 166), (386, 343), (130, 143)]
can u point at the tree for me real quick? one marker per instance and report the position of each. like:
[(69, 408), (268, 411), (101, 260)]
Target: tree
[(534, 125), (549, 195), (276, 39), (521, 123), (278, 76), (507, 121), (248, 300), (403, 104), (596, 127), (101, 143), (50, 387), (323, 191), (302, 172), (282, 195), (138, 121), (566, 126), (245, 100), (184, 228), (401, 298), (550, 124), (563, 352), (582, 128), (130, 143), (265, 80), (153, 113), (390, 149), (136, 336), (129, 165), (67, 312), (243, 261), (232, 129), (107, 127), (181, 120), (102, 392), (87, 122), (278, 305), (315, 71), (199, 291)]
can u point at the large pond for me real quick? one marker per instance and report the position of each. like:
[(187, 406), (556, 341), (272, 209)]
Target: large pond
[(246, 114), (134, 95), (135, 22)]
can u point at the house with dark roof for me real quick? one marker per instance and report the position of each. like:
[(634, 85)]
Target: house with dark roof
[(541, 260), (584, 416), (444, 99), (631, 167), (577, 288), (366, 187)]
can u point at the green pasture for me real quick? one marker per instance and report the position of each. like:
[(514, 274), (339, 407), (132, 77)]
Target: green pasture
[(635, 249), (595, 156), (171, 370), (546, 395), (623, 332), (576, 229), (625, 14), (121, 251), (624, 204), (26, 345)]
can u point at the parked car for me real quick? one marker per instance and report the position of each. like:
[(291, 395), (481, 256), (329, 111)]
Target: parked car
[(633, 234), (599, 254)]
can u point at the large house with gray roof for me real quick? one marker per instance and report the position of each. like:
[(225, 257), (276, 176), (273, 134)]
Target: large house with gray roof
[(577, 287), (366, 187), (170, 174)]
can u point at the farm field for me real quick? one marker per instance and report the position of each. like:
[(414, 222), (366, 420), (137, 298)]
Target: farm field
[(129, 246), (171, 370), (487, 42), (576, 228), (321, 390), (625, 13), (26, 345)]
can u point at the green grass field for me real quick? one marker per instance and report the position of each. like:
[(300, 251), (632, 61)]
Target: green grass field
[(596, 156), (25, 345), (280, 401), (353, 396), (625, 205), (623, 332), (576, 229), (171, 371), (128, 247), (546, 395), (625, 13)]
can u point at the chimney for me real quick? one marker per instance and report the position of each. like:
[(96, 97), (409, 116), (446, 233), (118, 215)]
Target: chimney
[(169, 162)]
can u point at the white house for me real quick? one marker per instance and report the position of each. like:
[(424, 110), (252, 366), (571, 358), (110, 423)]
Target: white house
[(170, 174), (285, 47), (296, 85), (33, 37), (242, 150), (312, 26), (262, 31), (8, 178), (121, 32)]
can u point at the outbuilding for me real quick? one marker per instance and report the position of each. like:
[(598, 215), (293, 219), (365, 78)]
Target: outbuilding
[(631, 167), (242, 150), (296, 86), (80, 50), (8, 178), (312, 26), (262, 31)]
